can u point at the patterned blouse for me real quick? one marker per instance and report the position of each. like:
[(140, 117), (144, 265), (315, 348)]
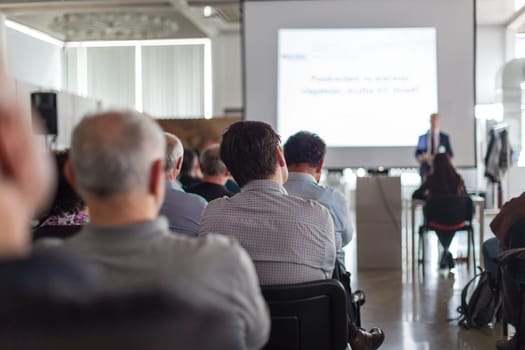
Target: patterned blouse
[(68, 219)]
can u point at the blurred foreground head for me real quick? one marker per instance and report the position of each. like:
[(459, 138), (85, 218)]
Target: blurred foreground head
[(26, 178)]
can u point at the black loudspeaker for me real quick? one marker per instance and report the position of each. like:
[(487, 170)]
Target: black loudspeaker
[(45, 103)]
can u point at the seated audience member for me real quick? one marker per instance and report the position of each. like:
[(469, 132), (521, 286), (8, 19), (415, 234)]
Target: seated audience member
[(304, 153), (443, 180), (214, 175), (511, 212), (290, 239), (26, 183), (117, 166), (183, 210), (190, 172), (68, 211)]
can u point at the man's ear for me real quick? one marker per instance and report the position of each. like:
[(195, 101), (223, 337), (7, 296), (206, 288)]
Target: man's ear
[(69, 173), (157, 180), (319, 167), (178, 165), (280, 156)]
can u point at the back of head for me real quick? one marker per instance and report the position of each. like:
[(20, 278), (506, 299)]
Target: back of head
[(112, 152), (174, 151), (211, 163), (442, 165), (188, 162), (304, 147), (248, 151), (444, 174)]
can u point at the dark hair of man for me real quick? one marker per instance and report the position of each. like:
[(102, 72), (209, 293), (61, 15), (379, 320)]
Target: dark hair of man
[(304, 147), (188, 161), (248, 151)]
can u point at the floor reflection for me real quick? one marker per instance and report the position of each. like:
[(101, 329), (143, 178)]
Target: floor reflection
[(419, 310)]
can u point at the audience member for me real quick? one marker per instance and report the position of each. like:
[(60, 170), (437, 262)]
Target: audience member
[(26, 182), (290, 239), (190, 172), (183, 210), (511, 212), (214, 175), (304, 153), (117, 166), (68, 211), (442, 180)]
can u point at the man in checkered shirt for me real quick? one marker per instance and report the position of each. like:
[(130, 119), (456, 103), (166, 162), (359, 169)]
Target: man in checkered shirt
[(290, 239)]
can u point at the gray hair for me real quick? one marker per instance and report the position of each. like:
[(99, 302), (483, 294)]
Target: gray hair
[(112, 152), (210, 161), (174, 151)]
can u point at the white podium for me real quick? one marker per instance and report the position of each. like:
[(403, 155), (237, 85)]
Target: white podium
[(378, 222)]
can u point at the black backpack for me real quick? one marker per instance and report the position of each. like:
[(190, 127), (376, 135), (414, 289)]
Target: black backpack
[(479, 304)]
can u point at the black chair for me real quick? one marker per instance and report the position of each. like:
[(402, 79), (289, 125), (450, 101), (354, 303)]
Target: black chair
[(448, 213), (58, 231), (307, 316), (145, 321)]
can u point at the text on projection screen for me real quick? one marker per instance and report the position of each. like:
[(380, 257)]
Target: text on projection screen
[(357, 87)]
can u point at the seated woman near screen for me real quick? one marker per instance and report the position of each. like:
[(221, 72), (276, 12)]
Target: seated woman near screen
[(442, 180)]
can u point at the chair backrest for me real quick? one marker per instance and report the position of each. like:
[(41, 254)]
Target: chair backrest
[(449, 210), (58, 231), (307, 316), (153, 321)]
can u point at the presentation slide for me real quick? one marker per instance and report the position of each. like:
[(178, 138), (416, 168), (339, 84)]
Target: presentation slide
[(370, 87)]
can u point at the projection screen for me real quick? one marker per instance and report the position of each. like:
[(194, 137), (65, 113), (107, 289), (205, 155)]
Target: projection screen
[(363, 74)]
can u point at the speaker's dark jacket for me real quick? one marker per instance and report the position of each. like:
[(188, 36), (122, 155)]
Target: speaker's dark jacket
[(422, 147)]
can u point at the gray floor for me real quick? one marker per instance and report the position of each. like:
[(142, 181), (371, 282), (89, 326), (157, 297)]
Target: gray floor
[(416, 310)]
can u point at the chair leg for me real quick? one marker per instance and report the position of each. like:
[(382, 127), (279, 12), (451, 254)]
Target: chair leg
[(421, 248), (471, 242)]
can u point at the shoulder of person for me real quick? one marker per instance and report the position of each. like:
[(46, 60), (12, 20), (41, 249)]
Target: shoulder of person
[(313, 207), (196, 198)]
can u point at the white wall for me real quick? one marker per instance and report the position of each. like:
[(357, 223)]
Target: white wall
[(70, 110), (33, 60), (227, 72), (490, 58)]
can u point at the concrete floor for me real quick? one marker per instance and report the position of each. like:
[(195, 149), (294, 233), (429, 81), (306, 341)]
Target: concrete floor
[(418, 311)]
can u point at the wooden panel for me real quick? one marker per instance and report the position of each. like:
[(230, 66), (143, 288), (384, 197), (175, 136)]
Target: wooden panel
[(197, 133)]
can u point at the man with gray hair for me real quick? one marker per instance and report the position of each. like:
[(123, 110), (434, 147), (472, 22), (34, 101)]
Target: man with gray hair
[(183, 210), (215, 174), (117, 166)]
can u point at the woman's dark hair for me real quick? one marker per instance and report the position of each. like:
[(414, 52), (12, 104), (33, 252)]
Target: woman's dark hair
[(66, 198), (189, 159), (445, 179)]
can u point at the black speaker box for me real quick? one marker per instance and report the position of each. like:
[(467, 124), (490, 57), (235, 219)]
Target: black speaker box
[(45, 103)]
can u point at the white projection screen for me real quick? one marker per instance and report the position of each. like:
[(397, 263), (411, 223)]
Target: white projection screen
[(363, 74)]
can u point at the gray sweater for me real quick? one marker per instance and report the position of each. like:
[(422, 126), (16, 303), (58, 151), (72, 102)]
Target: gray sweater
[(212, 270)]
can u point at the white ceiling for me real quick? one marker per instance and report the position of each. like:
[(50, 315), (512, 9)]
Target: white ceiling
[(494, 12), (188, 15)]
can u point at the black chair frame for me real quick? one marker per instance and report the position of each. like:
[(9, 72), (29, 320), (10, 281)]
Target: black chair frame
[(448, 210), (307, 316)]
